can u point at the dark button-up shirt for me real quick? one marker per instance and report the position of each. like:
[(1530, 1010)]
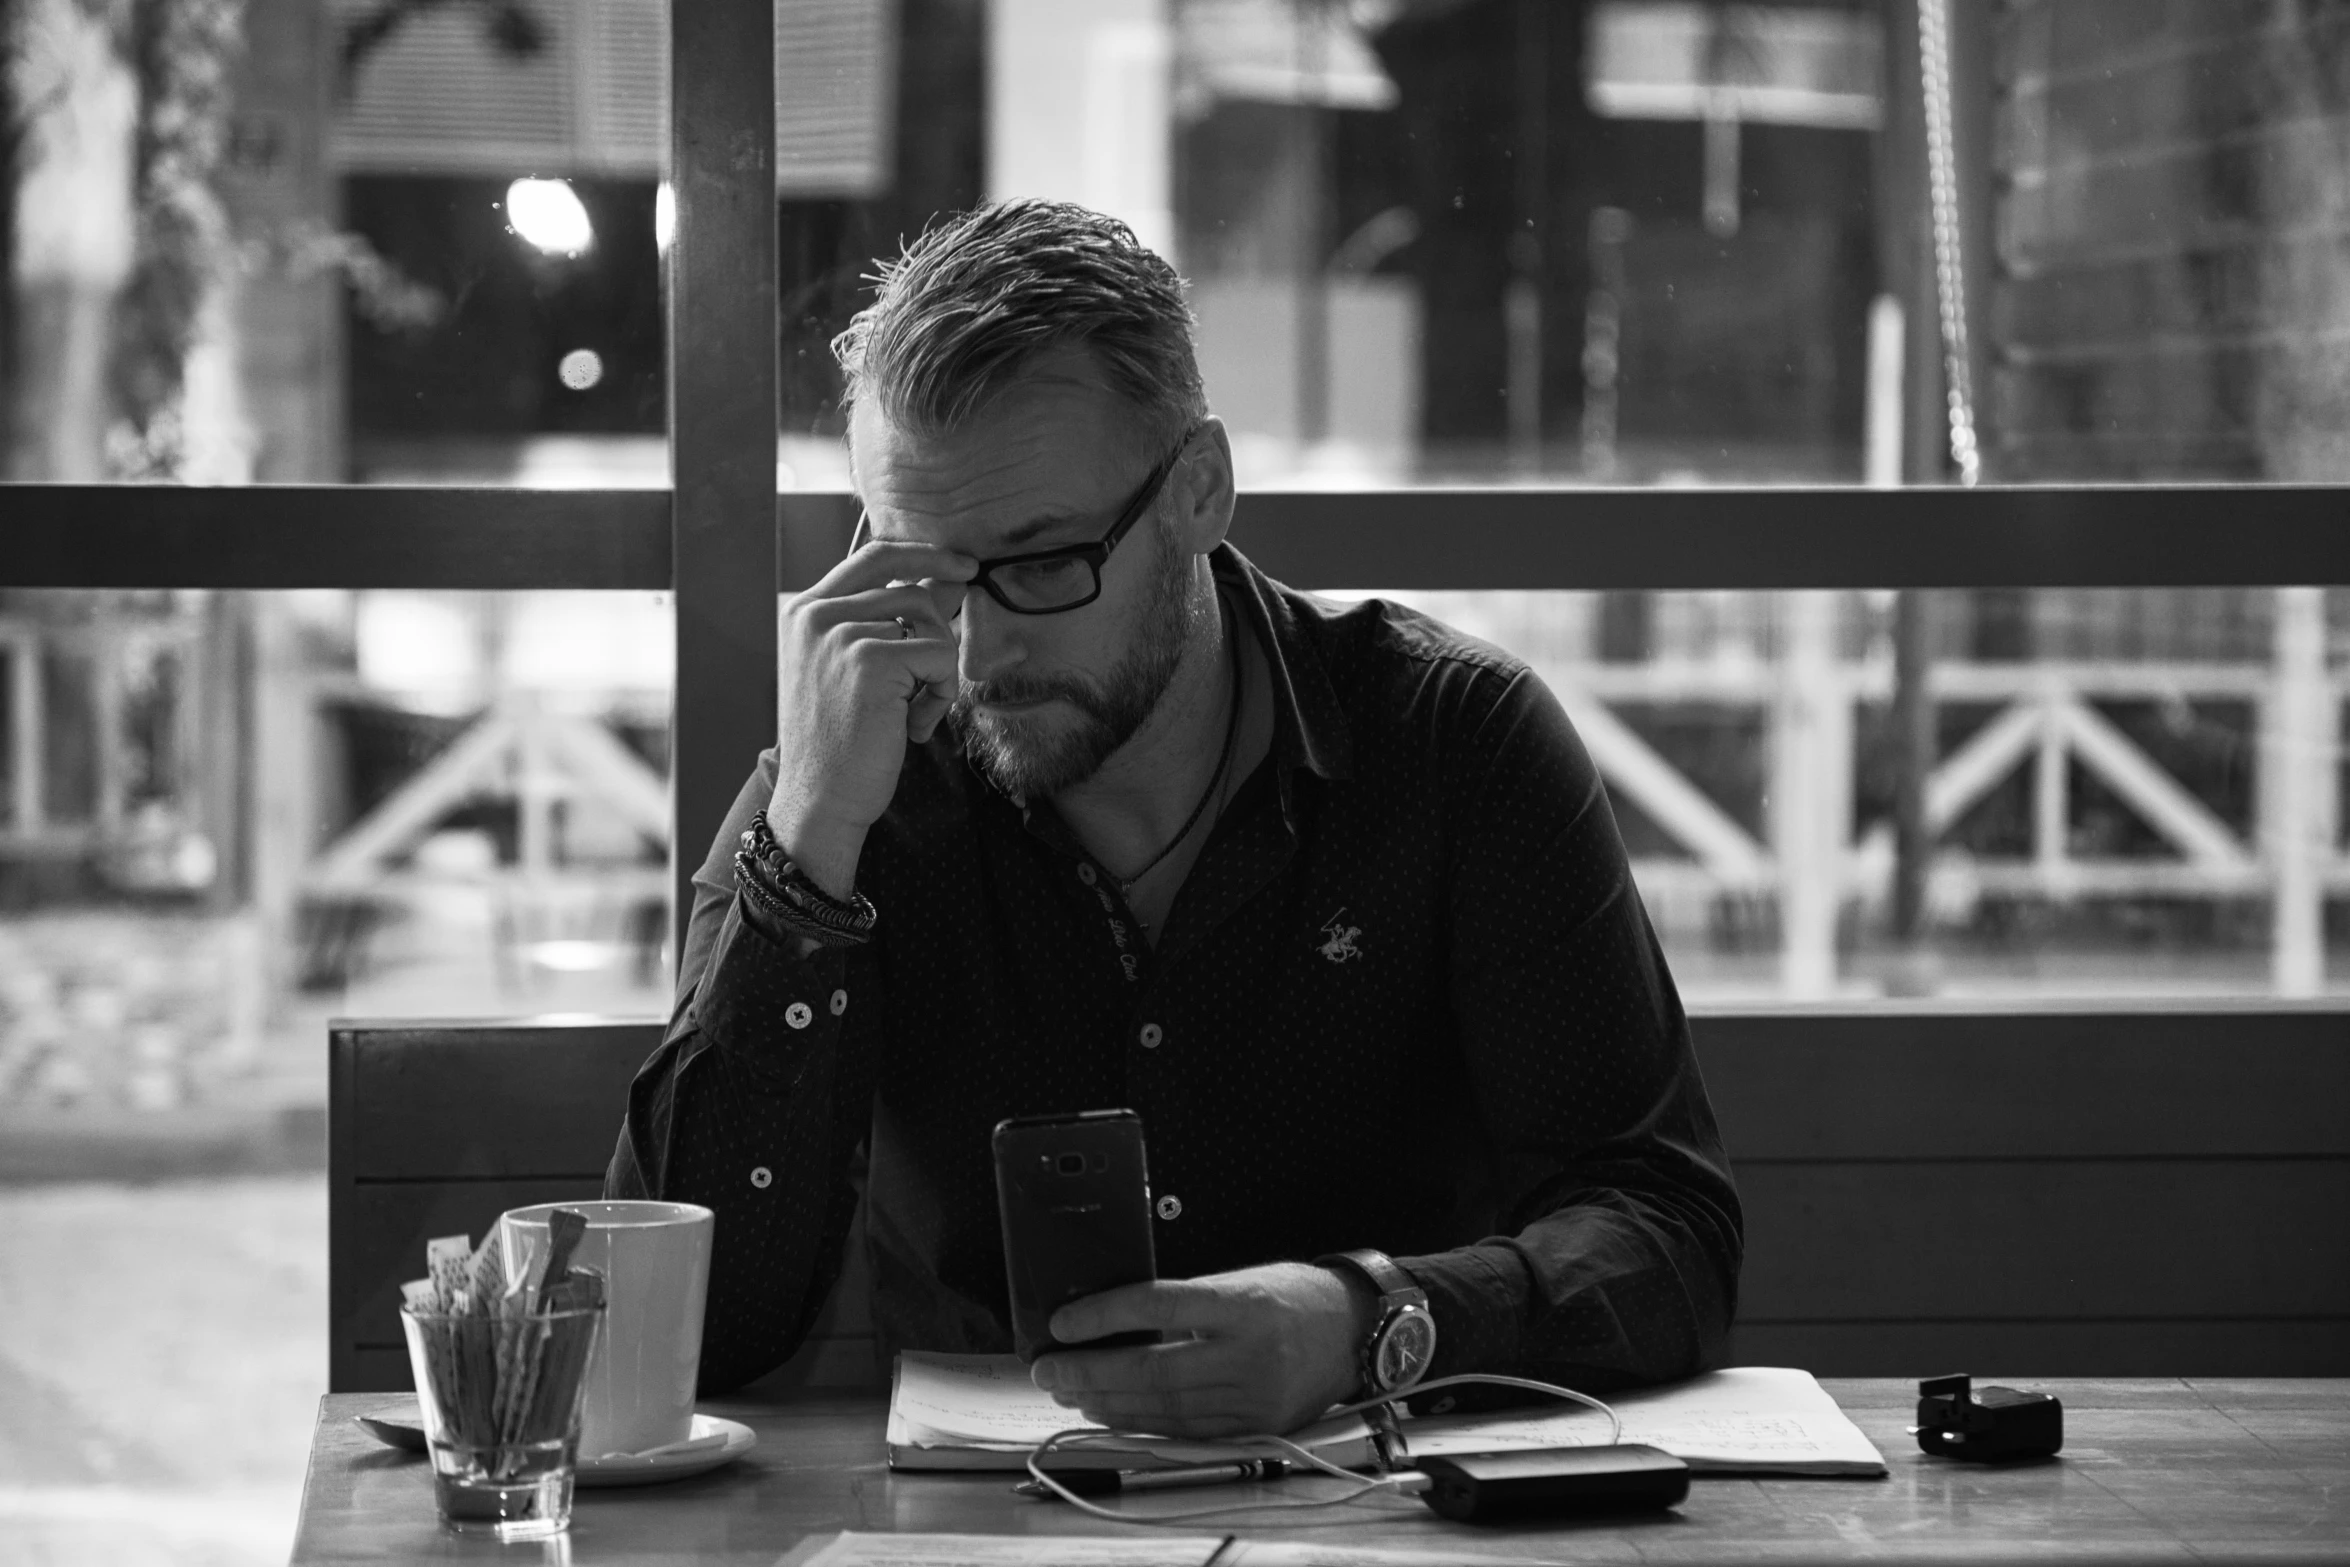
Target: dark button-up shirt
[(1407, 998)]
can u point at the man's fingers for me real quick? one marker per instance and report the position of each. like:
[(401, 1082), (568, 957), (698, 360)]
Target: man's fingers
[(899, 635), (905, 672), (911, 602), (882, 561), (1158, 1368), (1170, 1305), (926, 711), (946, 599)]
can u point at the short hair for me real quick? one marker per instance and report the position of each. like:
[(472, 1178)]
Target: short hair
[(979, 294)]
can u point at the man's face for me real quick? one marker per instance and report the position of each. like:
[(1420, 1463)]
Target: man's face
[(1042, 700)]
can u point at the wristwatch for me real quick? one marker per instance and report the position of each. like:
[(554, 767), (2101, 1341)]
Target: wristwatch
[(1402, 1345)]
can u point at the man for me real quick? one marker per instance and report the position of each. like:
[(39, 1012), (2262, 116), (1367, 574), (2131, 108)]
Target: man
[(1072, 808)]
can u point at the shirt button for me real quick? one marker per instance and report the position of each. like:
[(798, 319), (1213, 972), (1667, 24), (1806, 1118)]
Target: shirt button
[(1151, 1035), (1085, 873), (762, 1177), (840, 1002), (798, 1014), (1170, 1207)]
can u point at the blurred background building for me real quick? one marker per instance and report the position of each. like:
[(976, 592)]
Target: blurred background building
[(1432, 243)]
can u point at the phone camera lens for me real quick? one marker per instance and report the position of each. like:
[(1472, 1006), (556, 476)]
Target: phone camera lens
[(1071, 1164)]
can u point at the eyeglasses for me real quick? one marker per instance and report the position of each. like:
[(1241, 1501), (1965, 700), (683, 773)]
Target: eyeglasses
[(1046, 582)]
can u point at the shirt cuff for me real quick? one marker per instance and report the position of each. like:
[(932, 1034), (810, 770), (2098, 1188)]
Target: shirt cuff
[(763, 1001), (1476, 1295)]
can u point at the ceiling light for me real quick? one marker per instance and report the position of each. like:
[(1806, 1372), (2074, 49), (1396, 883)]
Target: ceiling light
[(581, 369), (547, 213)]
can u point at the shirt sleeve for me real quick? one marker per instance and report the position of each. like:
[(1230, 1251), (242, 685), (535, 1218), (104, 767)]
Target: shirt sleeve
[(754, 1107), (1622, 1231)]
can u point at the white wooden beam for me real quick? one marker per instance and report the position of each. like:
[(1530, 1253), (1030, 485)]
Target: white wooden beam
[(475, 763), (1970, 772), (2168, 808), (1628, 763), (598, 760), (2299, 729), (1811, 794)]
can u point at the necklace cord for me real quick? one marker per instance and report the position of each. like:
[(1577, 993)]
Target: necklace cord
[(1126, 884)]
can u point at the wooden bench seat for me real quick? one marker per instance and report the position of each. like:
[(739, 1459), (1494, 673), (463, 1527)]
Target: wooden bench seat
[(2093, 1191)]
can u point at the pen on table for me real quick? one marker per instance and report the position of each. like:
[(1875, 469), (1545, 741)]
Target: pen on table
[(1113, 1482)]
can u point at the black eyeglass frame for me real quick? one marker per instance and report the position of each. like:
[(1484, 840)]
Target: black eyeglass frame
[(1096, 555)]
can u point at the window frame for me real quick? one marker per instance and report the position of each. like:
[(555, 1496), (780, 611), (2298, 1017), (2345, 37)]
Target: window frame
[(268, 537)]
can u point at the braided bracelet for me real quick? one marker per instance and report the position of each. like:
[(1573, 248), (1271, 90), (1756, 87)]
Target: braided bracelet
[(787, 917), (784, 893)]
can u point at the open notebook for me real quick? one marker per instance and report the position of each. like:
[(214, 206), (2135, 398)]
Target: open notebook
[(982, 1412)]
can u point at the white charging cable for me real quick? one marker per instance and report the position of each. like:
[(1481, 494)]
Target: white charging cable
[(1096, 1439)]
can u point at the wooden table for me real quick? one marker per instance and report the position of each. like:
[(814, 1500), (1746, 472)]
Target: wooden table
[(2153, 1470)]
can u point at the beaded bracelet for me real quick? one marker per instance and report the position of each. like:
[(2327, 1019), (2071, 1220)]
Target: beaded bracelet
[(792, 905), (783, 893), (781, 919)]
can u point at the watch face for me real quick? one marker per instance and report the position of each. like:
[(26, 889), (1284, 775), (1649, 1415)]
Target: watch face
[(1406, 1349)]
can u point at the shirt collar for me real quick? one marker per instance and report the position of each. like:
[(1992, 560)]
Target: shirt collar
[(1310, 729)]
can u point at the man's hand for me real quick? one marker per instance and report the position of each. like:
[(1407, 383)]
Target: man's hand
[(866, 665), (1261, 1350)]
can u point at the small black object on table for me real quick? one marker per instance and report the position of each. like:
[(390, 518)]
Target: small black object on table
[(1955, 1421)]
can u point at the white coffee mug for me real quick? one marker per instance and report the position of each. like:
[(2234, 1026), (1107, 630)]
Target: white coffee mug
[(655, 1258)]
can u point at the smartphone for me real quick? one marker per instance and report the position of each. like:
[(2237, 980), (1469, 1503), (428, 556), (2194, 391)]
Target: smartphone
[(1074, 1194)]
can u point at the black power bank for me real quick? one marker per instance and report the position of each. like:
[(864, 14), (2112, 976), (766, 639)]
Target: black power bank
[(1553, 1482)]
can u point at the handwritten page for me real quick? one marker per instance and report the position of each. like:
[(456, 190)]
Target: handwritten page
[(1744, 1420), (950, 1400)]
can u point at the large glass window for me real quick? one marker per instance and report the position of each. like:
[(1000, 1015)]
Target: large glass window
[(1644, 242), (336, 240), (2119, 794), (225, 818), (501, 203), (1504, 241)]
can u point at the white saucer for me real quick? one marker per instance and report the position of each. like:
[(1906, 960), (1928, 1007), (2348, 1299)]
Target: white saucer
[(653, 1468)]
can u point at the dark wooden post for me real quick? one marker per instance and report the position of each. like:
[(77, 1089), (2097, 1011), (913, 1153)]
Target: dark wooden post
[(1522, 295), (1905, 261), (722, 414)]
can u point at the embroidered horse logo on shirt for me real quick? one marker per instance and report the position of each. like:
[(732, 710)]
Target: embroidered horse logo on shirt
[(1340, 948)]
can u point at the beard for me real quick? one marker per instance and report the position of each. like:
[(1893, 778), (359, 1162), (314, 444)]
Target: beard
[(1036, 759)]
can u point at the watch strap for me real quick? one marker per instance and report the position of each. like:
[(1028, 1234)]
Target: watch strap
[(1380, 1270), (1399, 1298)]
